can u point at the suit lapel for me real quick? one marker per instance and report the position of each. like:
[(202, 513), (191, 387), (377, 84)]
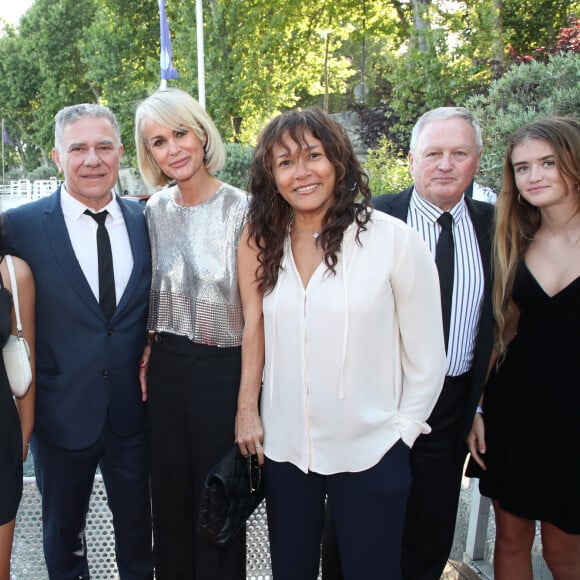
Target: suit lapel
[(139, 248), (399, 205), (64, 255), (483, 232)]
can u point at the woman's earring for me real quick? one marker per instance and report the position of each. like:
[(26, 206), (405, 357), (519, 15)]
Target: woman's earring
[(520, 199)]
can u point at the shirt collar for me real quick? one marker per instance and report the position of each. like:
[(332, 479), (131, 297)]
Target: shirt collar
[(431, 212), (74, 209)]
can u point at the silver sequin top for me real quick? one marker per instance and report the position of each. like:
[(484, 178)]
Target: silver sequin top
[(194, 290)]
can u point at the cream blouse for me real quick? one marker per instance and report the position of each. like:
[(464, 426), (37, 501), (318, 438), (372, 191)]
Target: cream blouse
[(356, 360)]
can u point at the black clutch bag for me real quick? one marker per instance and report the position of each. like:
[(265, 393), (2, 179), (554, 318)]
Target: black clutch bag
[(232, 491)]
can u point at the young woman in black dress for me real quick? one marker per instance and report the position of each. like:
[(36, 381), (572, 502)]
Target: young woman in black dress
[(526, 440)]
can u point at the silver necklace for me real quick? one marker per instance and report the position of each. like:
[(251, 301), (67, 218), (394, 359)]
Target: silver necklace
[(315, 235)]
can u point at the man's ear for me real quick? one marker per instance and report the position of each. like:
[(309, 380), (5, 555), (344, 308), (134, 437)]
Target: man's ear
[(478, 161), (411, 162), (56, 159)]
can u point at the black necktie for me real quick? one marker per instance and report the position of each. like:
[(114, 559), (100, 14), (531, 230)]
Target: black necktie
[(444, 258), (107, 298)]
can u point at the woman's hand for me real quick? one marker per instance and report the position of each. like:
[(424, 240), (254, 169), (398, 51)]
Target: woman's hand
[(249, 432), (143, 371), (476, 440)]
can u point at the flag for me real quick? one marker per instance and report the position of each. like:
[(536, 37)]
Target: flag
[(5, 137), (165, 58)]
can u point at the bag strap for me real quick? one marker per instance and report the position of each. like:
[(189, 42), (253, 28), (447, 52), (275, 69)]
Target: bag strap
[(12, 275)]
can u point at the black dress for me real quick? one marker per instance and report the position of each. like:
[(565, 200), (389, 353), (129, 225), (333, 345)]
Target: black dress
[(532, 410), (10, 434)]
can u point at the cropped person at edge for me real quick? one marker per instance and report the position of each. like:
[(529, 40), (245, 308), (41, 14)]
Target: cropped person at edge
[(533, 473), (16, 420)]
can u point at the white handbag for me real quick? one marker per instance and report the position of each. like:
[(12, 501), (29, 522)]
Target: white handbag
[(16, 352)]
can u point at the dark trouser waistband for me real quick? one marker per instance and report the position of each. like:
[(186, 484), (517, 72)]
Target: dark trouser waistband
[(457, 379), (183, 345)]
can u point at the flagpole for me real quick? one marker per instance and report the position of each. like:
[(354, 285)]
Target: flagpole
[(200, 53)]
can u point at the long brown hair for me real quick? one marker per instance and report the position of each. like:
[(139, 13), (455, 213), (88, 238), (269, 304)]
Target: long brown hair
[(518, 221), (270, 215)]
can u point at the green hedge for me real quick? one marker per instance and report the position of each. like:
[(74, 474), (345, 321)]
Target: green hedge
[(237, 167), (525, 93), (387, 169)]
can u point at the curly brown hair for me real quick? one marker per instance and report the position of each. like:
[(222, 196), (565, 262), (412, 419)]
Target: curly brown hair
[(270, 215)]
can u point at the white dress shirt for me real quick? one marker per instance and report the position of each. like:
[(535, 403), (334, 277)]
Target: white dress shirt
[(356, 360), (82, 230), (468, 280)]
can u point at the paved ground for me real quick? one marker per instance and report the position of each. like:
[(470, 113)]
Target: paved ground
[(459, 571), (28, 562)]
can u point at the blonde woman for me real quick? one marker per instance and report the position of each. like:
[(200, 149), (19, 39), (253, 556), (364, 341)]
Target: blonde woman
[(527, 438), (206, 320)]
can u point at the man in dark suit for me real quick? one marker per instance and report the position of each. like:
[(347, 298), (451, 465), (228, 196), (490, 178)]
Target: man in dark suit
[(444, 157), (89, 411)]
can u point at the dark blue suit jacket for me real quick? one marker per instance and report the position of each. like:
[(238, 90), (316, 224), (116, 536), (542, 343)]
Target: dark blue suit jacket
[(87, 368), (482, 216)]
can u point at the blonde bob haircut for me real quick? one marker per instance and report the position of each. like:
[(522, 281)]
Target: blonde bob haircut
[(176, 110)]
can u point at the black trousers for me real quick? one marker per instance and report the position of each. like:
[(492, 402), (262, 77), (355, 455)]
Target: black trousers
[(368, 508), (65, 480), (436, 468), (193, 392)]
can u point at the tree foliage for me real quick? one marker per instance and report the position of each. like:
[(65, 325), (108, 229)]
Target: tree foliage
[(61, 76), (531, 24), (391, 60), (272, 55), (387, 168), (120, 52)]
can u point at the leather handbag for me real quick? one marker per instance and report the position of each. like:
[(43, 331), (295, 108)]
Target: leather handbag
[(16, 352), (232, 491)]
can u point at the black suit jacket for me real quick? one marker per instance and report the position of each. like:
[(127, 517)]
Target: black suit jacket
[(482, 216)]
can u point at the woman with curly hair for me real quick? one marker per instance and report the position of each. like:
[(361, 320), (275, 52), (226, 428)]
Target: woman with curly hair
[(355, 358), (529, 448)]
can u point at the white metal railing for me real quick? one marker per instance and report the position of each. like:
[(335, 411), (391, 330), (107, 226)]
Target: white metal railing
[(475, 542), (31, 189)]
